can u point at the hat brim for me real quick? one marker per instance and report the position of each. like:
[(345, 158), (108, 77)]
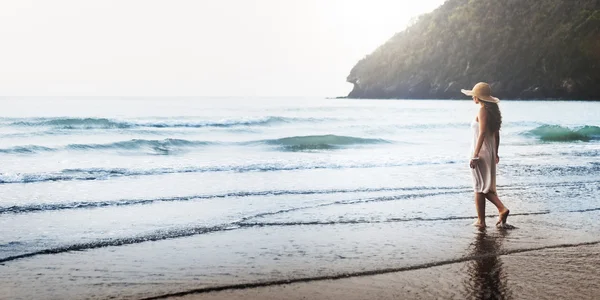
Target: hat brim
[(482, 98), (467, 92)]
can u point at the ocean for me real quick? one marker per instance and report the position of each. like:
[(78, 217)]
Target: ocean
[(132, 198)]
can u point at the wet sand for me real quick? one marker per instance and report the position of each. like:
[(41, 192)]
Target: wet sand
[(549, 256), (554, 273)]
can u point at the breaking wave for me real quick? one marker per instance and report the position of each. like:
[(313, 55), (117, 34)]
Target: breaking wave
[(108, 173), (37, 207), (159, 145), (103, 123), (165, 146), (26, 149), (73, 123), (320, 142), (557, 133), (170, 146)]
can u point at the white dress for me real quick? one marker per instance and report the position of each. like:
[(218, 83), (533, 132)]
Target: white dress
[(484, 173)]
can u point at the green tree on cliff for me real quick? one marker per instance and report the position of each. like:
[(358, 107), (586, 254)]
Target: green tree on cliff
[(525, 49)]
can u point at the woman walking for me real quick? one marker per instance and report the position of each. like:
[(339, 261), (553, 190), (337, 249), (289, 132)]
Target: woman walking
[(484, 152)]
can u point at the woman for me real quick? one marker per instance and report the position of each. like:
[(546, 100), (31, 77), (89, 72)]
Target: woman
[(484, 152)]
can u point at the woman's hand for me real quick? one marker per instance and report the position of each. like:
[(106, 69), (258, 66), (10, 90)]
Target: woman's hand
[(497, 159), (474, 162)]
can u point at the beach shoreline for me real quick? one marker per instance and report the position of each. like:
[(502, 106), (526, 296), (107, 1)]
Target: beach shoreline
[(556, 272), (164, 197)]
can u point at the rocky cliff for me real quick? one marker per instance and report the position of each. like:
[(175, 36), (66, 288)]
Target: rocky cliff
[(526, 49)]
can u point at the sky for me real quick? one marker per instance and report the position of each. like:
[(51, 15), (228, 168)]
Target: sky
[(256, 48)]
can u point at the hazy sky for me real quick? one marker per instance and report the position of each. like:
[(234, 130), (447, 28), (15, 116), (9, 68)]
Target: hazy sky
[(191, 47)]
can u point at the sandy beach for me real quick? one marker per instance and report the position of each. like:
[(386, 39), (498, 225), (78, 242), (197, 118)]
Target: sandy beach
[(554, 273), (269, 149)]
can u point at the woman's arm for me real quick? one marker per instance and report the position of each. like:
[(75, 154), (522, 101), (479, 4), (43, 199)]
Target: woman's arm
[(497, 146), (482, 127)]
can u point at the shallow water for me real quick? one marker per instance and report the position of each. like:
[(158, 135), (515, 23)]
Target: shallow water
[(136, 197), (552, 273)]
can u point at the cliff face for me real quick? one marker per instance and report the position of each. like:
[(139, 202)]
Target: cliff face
[(525, 49)]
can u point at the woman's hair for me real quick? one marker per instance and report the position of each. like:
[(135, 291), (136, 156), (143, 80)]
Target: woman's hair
[(494, 117)]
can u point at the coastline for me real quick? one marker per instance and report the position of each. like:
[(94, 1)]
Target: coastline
[(563, 271), (469, 99), (251, 196)]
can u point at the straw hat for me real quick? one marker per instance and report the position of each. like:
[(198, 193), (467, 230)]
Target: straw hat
[(483, 92)]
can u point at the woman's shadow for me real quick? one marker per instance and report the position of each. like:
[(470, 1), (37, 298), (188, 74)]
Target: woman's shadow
[(486, 277)]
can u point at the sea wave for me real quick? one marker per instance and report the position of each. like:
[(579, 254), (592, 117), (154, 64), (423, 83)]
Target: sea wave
[(557, 133), (108, 173), (104, 123), (158, 145), (173, 146), (72, 123), (39, 207), (320, 142), (551, 170), (166, 146), (155, 236), (26, 149), (407, 192)]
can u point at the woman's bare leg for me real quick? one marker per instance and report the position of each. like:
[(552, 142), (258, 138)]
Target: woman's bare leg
[(502, 210), (480, 206)]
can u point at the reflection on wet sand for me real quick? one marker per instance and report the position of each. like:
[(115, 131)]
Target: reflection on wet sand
[(486, 278), (556, 272)]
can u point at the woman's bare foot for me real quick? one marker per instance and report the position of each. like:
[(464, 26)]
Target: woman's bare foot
[(479, 224), (502, 218)]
